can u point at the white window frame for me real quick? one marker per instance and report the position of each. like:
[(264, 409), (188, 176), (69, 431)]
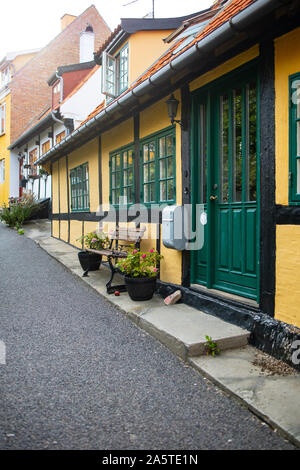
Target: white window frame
[(2, 171), (2, 118), (109, 75), (115, 72)]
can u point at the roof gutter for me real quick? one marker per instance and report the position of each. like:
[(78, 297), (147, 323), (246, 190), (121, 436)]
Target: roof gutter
[(213, 40)]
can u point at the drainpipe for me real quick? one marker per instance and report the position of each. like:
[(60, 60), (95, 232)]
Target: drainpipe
[(61, 86)]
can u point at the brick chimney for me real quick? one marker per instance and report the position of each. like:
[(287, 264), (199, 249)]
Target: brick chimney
[(66, 20)]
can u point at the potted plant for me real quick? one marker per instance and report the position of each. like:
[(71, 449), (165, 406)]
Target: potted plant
[(140, 269), (95, 241)]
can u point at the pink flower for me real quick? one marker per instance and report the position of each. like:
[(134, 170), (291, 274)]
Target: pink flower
[(134, 251), (155, 270), (94, 240), (144, 256), (151, 251)]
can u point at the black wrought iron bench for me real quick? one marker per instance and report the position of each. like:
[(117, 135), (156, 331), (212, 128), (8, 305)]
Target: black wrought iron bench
[(121, 240)]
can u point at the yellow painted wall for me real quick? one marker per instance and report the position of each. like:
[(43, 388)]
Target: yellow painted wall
[(287, 298), (90, 227), (55, 194), (55, 228), (63, 185), (112, 140), (225, 68), (64, 230), (144, 49), (75, 232), (287, 62), (4, 153)]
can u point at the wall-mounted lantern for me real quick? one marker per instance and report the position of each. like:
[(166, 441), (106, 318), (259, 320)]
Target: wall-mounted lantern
[(172, 107)]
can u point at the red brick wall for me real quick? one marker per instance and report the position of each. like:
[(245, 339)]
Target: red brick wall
[(30, 93)]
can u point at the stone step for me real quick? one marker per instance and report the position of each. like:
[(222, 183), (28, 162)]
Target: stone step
[(183, 330)]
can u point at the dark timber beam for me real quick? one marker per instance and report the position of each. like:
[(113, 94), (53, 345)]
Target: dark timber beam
[(267, 243)]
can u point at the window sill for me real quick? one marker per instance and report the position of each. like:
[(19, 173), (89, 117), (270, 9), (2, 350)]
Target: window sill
[(75, 211)]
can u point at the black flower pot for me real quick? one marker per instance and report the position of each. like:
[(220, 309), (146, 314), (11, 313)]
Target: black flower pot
[(90, 261), (140, 288)]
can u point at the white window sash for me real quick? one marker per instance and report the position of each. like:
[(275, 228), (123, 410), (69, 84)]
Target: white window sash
[(109, 75), (2, 119)]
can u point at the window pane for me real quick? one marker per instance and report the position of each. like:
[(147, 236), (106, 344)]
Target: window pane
[(152, 192), (146, 148), (163, 191), (118, 179), (224, 148), (146, 173), (298, 175), (146, 198), (151, 150), (125, 159), (125, 178), (203, 154), (170, 190), (298, 138), (251, 91), (169, 145), (152, 171), (237, 147), (124, 69), (118, 161), (130, 177), (130, 158), (170, 166), (162, 169), (296, 96), (162, 147), (130, 195)]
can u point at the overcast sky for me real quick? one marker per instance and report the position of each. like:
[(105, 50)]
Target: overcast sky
[(31, 24)]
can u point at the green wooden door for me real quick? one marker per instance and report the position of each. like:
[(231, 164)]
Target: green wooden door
[(225, 182)]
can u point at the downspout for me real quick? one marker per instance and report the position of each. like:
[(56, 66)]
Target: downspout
[(61, 86)]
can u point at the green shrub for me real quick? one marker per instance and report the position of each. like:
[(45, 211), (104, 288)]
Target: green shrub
[(19, 211)]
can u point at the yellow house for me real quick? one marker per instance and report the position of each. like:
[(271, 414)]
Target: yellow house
[(213, 126), (9, 65), (4, 143)]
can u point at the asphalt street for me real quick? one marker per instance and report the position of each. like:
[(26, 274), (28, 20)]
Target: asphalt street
[(80, 375)]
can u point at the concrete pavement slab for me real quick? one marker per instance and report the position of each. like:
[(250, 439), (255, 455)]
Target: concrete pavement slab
[(274, 398)]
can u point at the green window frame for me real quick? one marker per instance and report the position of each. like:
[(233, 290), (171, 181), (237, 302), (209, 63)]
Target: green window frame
[(121, 176), (294, 124), (158, 167), (79, 184)]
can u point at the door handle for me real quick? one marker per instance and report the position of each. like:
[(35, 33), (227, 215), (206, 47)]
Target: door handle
[(213, 198)]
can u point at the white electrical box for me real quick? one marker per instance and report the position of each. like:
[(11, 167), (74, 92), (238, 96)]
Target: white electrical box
[(173, 228)]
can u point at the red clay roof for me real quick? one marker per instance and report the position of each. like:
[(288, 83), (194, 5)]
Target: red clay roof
[(230, 9), (94, 113)]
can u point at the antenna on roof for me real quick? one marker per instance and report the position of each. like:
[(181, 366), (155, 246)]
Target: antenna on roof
[(134, 1)]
